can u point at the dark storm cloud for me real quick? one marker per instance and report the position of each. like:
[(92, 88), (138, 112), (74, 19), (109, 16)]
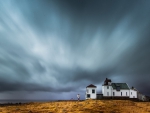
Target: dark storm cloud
[(63, 46)]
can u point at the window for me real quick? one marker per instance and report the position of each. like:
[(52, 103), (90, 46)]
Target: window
[(118, 88), (133, 96), (87, 90), (131, 93), (107, 87), (126, 94), (121, 93), (93, 90), (88, 95), (107, 93), (113, 93)]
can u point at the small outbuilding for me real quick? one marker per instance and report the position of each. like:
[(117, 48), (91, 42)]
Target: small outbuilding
[(90, 92), (133, 93)]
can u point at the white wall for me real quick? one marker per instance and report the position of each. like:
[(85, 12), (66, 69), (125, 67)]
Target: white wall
[(105, 91), (92, 95), (133, 93), (110, 91), (130, 92), (118, 93)]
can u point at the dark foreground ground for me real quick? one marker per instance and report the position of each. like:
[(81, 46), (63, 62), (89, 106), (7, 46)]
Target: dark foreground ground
[(87, 106)]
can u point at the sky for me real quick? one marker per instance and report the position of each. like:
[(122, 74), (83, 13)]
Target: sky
[(53, 49)]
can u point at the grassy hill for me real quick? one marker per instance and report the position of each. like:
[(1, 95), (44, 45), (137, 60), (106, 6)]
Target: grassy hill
[(87, 106)]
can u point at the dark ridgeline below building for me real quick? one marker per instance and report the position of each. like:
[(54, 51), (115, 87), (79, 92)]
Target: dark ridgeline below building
[(99, 96)]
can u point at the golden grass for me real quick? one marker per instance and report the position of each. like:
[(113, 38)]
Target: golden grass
[(87, 106)]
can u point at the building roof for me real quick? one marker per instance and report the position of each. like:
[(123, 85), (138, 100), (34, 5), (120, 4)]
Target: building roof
[(121, 85), (91, 85)]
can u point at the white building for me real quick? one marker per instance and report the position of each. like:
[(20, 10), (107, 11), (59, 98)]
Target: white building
[(114, 90), (117, 90), (90, 92), (133, 93)]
